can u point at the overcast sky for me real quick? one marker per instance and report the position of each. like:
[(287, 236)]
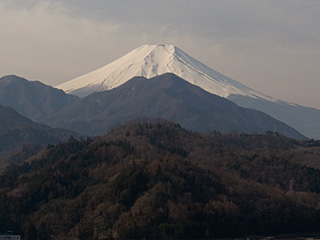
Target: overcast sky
[(272, 46)]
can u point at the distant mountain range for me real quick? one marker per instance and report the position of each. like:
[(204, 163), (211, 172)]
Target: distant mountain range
[(89, 116), (154, 60), (168, 97)]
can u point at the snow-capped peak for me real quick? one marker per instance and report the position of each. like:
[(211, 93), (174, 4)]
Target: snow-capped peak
[(153, 60)]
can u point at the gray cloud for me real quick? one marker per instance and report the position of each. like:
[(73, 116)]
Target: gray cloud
[(270, 45)]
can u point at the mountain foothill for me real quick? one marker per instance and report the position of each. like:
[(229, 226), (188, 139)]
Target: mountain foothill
[(156, 180), (155, 145)]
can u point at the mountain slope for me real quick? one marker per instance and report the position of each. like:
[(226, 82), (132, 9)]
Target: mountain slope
[(304, 119), (168, 97), (34, 100), (17, 131), (153, 60)]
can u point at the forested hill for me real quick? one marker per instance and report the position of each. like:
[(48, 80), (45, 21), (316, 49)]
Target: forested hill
[(159, 181)]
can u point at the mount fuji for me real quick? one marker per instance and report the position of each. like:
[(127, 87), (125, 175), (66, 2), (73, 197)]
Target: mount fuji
[(152, 60)]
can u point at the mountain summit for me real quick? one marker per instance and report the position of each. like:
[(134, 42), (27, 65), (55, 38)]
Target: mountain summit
[(152, 60)]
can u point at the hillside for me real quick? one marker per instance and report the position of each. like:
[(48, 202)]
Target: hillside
[(32, 99), (19, 135), (157, 180)]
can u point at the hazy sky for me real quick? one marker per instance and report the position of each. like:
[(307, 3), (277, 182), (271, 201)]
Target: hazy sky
[(272, 46)]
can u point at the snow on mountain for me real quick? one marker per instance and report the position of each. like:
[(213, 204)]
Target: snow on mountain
[(153, 60)]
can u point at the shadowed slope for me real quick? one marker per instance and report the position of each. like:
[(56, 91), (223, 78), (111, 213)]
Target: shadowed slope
[(168, 97)]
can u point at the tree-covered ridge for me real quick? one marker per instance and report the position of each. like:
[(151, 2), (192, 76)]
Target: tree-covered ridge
[(157, 180)]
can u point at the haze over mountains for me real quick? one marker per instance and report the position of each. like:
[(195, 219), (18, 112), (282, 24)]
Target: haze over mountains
[(153, 60)]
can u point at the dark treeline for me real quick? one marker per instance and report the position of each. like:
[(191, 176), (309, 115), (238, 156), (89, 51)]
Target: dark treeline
[(159, 181)]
